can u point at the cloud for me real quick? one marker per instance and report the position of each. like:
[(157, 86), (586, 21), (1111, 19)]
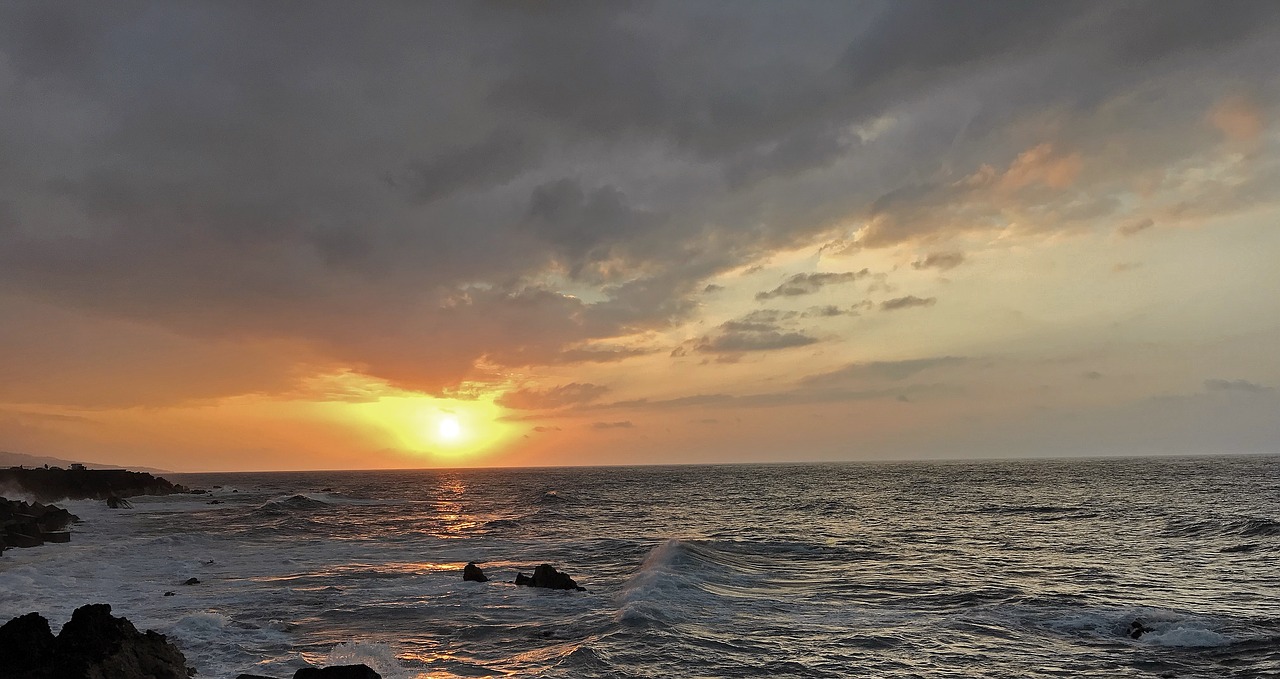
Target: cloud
[(560, 396), (437, 193), (1241, 386), (1136, 226), (625, 424), (809, 283), (906, 302), (942, 261), (882, 370), (1043, 165), (1239, 118)]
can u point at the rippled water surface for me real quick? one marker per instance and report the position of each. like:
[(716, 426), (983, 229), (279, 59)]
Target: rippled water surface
[(995, 569)]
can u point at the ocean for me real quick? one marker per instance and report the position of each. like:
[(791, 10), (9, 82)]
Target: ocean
[(958, 569)]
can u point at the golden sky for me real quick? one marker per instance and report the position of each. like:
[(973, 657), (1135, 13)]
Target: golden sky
[(316, 237)]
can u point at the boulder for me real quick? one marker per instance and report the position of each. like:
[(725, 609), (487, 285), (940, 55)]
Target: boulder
[(472, 573), (191, 581), (547, 576), (93, 644), (1137, 629), (26, 644), (337, 672)]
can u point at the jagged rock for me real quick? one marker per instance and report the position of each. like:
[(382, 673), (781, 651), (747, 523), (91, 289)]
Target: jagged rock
[(191, 581), (26, 643), (57, 536), (171, 594), (93, 645), (115, 502), (547, 576), (337, 672), (472, 573), (33, 524), (85, 484), (1137, 629)]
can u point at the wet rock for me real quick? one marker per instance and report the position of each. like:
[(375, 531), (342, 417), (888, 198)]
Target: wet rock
[(171, 594), (92, 644), (85, 484), (547, 576), (1137, 629), (215, 502), (472, 573), (116, 502), (25, 524), (337, 672), (252, 676), (192, 581)]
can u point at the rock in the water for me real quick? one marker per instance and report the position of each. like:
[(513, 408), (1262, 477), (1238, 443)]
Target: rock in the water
[(115, 502), (1137, 629), (33, 524), (547, 576), (93, 644), (171, 594), (337, 672), (192, 581), (472, 573)]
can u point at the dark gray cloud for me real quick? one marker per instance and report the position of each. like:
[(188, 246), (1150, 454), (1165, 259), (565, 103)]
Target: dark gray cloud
[(907, 302), (392, 187), (809, 283)]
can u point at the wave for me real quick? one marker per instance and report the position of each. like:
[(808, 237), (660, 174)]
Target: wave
[(293, 503), (1247, 527)]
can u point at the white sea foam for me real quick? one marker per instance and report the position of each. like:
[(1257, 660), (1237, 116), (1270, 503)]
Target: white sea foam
[(381, 657), (1187, 637)]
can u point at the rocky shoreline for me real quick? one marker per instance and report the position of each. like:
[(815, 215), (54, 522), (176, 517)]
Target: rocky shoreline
[(51, 484), (31, 524)]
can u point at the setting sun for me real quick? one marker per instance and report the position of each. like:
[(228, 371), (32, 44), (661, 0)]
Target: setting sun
[(449, 429)]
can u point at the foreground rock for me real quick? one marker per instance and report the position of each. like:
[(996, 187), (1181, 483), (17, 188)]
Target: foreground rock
[(51, 484), (93, 645), (472, 573), (334, 672), (547, 576), (33, 524)]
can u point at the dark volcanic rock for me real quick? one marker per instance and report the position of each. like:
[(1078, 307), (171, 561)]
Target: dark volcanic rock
[(93, 645), (337, 672), (547, 576), (192, 581), (115, 502), (26, 643), (31, 525), (472, 573), (85, 484), (1137, 629)]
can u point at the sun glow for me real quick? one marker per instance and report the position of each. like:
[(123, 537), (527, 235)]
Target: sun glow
[(419, 426), (448, 429)]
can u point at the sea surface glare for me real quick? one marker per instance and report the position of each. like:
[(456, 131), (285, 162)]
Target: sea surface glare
[(986, 569)]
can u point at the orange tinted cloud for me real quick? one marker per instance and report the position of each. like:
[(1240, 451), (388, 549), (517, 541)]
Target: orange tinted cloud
[(1042, 165), (1239, 118)]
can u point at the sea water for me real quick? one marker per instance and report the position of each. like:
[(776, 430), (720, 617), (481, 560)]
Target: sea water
[(976, 569)]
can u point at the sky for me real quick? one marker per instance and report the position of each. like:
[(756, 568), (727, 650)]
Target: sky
[(329, 235)]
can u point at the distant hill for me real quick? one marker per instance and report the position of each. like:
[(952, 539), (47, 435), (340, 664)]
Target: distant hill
[(8, 459)]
